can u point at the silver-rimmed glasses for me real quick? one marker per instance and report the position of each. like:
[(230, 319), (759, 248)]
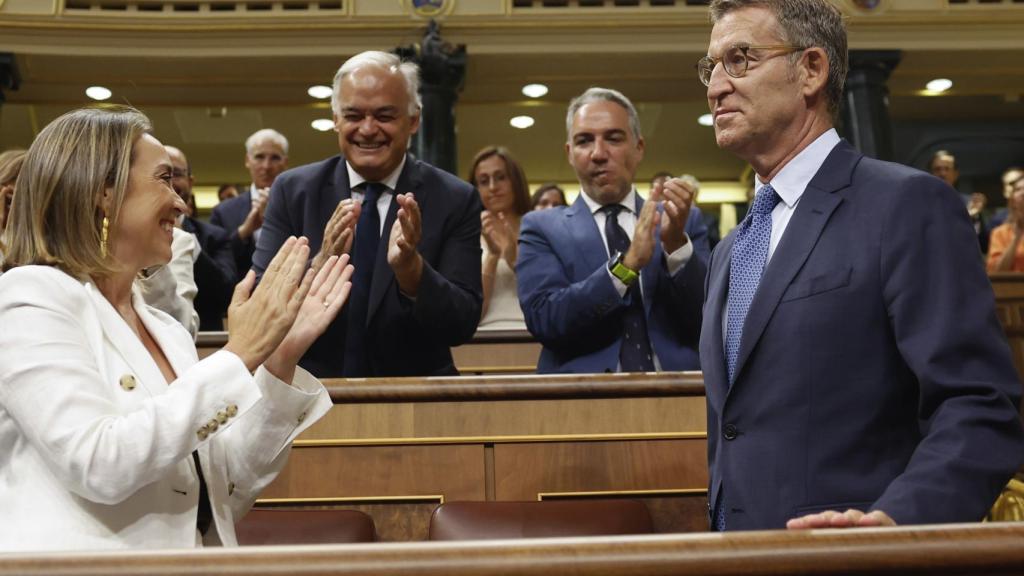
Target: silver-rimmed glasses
[(735, 60)]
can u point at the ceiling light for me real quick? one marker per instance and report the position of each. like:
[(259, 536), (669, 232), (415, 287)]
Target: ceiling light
[(535, 90), (706, 120), (521, 121), (322, 124), (98, 92), (939, 85), (320, 91)]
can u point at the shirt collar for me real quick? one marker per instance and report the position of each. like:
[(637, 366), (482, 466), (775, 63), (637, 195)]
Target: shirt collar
[(354, 179), (629, 202), (794, 177)]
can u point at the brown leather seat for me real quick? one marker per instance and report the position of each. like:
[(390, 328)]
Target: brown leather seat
[(304, 527), (486, 520)]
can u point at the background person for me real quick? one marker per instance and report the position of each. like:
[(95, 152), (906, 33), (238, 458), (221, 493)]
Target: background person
[(1005, 253), (501, 181), (549, 195), (115, 435)]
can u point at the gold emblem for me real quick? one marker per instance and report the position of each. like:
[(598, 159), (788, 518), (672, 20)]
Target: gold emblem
[(428, 8)]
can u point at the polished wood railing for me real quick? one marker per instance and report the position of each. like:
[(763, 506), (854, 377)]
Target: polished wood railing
[(941, 550)]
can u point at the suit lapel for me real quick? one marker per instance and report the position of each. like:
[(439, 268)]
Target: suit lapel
[(812, 213), (715, 373), (383, 276), (586, 238), (126, 343)]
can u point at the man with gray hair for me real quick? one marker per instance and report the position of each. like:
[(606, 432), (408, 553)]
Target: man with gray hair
[(612, 283), (855, 372), (266, 156), (412, 230)]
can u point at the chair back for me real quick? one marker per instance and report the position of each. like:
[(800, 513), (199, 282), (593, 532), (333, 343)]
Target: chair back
[(328, 526)]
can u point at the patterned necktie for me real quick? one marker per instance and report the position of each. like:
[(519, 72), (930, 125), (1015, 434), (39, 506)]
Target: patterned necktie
[(635, 353), (749, 254), (364, 257)]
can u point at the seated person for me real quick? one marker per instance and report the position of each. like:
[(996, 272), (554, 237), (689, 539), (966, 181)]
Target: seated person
[(1005, 252), (503, 191), (115, 435), (549, 195)]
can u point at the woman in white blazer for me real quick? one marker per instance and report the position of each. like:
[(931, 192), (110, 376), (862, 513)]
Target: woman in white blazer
[(105, 409)]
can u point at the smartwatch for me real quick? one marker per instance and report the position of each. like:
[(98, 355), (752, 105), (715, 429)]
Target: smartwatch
[(620, 271)]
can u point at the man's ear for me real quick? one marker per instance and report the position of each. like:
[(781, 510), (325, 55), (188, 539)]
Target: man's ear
[(815, 66)]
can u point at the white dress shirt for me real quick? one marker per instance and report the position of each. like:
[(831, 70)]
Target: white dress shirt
[(384, 202)]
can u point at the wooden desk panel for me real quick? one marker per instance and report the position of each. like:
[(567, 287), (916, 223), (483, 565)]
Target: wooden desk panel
[(393, 448)]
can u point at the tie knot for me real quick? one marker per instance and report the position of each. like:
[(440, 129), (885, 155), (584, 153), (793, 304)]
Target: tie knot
[(765, 200), (372, 192), (612, 210)]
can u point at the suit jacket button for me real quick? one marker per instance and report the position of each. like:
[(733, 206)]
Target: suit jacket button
[(128, 382), (730, 432)]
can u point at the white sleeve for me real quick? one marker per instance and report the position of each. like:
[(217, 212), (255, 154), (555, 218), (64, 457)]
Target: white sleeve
[(172, 287)]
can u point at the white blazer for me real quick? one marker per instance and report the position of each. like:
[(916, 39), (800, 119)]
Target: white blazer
[(95, 447)]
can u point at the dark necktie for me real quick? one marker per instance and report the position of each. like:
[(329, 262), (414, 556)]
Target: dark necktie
[(749, 255), (635, 353), (364, 257)]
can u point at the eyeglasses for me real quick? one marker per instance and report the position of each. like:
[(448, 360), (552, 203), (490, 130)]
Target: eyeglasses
[(735, 60)]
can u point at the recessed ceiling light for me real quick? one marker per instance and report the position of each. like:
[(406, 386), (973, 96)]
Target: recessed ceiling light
[(98, 92), (322, 124), (320, 91), (521, 121), (706, 120), (535, 90), (939, 85)]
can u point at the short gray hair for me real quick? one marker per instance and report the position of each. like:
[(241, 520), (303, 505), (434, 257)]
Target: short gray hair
[(596, 94), (807, 24), (409, 72), (260, 136)]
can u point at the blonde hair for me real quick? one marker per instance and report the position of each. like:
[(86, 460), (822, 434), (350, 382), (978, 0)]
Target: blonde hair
[(58, 208)]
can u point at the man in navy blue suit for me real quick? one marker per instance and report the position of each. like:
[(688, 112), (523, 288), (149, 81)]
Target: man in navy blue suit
[(266, 156), (856, 374), (612, 283), (412, 230)]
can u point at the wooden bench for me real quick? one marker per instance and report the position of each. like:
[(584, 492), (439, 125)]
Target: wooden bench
[(396, 448), (956, 549), (489, 352)]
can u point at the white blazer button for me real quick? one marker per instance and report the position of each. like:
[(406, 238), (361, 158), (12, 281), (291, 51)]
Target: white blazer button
[(222, 417), (302, 417), (202, 433), (128, 382), (232, 409)]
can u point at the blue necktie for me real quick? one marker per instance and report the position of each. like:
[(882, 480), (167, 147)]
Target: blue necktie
[(635, 353), (749, 255), (364, 258)]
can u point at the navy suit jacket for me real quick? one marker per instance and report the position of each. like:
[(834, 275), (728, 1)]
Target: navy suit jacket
[(405, 337), (571, 305), (872, 372), (214, 272), (229, 215)]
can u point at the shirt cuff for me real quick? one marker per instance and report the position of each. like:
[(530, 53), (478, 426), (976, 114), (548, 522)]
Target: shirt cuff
[(678, 259), (619, 285)]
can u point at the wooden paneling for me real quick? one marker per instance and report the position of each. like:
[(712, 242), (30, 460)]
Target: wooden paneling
[(454, 472), (963, 549), (395, 447), (525, 471), (1009, 292)]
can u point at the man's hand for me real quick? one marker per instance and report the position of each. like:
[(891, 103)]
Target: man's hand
[(976, 204), (403, 257), (339, 232), (834, 519), (642, 247), (254, 219), (676, 195)]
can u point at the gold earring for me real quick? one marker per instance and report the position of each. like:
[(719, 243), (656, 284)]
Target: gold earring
[(103, 236)]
